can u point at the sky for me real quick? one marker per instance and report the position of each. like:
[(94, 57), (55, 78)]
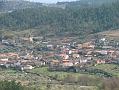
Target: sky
[(50, 1)]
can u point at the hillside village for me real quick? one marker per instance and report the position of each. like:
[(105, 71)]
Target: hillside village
[(62, 54), (66, 45)]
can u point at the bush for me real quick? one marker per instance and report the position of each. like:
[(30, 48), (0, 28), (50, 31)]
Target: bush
[(10, 85)]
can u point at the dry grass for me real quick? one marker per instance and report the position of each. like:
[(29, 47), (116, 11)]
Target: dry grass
[(72, 87), (114, 33)]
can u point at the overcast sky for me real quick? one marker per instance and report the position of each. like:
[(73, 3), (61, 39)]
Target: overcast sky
[(50, 1)]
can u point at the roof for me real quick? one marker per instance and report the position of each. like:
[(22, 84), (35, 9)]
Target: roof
[(55, 61)]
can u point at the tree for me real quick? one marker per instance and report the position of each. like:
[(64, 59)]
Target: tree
[(10, 85)]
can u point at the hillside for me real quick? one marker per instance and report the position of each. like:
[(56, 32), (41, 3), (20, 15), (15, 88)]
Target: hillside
[(113, 33), (86, 3), (10, 5), (72, 20)]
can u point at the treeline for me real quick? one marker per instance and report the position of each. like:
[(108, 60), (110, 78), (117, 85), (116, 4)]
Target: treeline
[(71, 19)]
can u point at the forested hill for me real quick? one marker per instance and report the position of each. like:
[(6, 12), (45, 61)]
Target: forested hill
[(71, 19), (10, 5), (85, 3)]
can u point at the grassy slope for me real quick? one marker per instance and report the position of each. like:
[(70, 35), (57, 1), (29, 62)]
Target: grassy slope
[(72, 87), (40, 82), (111, 68), (60, 74), (114, 33)]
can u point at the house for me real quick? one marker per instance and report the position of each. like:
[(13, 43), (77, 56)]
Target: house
[(50, 54), (70, 52), (17, 63), (27, 39), (24, 62), (37, 38), (108, 61), (107, 47), (79, 46), (26, 67), (100, 61), (8, 54), (89, 52), (83, 61), (103, 52), (64, 56), (25, 55), (2, 63), (89, 58), (5, 42), (88, 45), (37, 63), (49, 46), (10, 63), (75, 62), (55, 62), (75, 55), (31, 39), (113, 55), (5, 59), (74, 50), (64, 50), (66, 63)]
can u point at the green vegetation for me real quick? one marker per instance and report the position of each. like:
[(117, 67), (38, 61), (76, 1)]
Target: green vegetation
[(88, 82), (9, 5), (60, 75), (36, 82), (51, 21), (13, 85), (87, 3), (111, 68), (10, 85), (60, 80), (74, 20)]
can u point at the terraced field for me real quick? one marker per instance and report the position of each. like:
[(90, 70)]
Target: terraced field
[(43, 80)]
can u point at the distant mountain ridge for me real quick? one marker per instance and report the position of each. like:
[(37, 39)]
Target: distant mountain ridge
[(87, 2), (11, 5)]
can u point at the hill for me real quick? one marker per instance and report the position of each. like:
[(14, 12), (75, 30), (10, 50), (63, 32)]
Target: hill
[(87, 3), (73, 20), (11, 5), (113, 33)]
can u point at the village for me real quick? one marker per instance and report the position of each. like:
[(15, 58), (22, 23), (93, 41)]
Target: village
[(58, 55)]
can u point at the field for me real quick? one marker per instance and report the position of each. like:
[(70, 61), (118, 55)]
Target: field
[(47, 80), (67, 80), (111, 68), (60, 75), (72, 87), (43, 79), (112, 33)]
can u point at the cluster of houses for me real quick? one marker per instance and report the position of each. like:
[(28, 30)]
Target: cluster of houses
[(89, 53), (64, 54), (19, 62)]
